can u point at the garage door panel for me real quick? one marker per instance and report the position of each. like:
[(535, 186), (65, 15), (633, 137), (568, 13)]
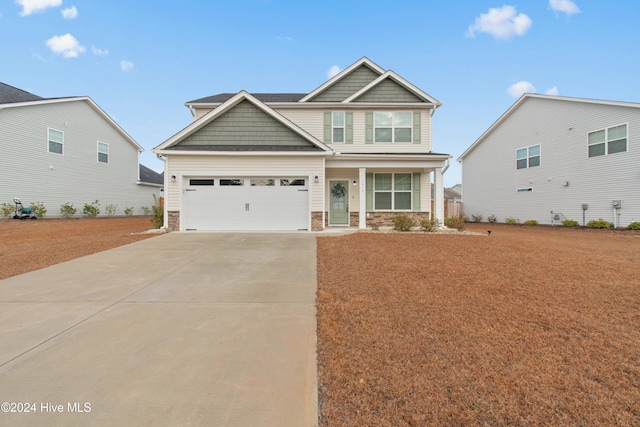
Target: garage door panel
[(245, 207)]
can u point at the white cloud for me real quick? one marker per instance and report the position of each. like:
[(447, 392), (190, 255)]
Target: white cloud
[(99, 52), (31, 6), (501, 23), (69, 13), (126, 65), (284, 38), (333, 71), (564, 6), (553, 91), (518, 89), (66, 45)]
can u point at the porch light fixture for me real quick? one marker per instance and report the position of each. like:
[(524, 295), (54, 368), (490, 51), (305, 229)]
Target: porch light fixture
[(173, 178), (355, 183), (316, 179)]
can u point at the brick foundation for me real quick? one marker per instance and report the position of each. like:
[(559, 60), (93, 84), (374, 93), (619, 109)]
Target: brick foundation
[(174, 220), (385, 219), (316, 221)]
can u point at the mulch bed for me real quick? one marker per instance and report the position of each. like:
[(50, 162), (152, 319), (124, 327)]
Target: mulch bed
[(27, 245), (530, 326)]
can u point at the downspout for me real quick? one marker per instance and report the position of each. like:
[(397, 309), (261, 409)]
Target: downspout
[(165, 215)]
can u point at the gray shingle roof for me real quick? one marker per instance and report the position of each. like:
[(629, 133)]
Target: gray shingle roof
[(263, 97), (10, 94), (150, 176)]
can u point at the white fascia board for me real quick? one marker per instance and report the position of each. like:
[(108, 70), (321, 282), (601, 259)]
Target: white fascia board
[(363, 61), (243, 153), (229, 104), (413, 162), (86, 99), (402, 82)]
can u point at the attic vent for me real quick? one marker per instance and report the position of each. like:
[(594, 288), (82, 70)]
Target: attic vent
[(524, 190)]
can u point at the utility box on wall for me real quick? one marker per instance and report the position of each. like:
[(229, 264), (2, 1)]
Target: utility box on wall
[(617, 204)]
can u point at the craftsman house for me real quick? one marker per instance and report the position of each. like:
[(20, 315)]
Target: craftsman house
[(355, 152), (551, 158)]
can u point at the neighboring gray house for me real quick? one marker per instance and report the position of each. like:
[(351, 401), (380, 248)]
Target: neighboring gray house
[(355, 151), (68, 150), (551, 158)]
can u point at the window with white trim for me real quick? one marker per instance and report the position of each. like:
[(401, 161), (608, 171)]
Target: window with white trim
[(393, 191), (55, 141), (392, 127), (608, 141), (528, 157), (337, 127), (103, 152)]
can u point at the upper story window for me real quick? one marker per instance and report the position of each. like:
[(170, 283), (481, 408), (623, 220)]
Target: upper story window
[(608, 141), (56, 141), (393, 127), (337, 127), (528, 157), (103, 152)]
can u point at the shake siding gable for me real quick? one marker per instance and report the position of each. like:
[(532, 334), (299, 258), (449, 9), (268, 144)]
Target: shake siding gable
[(245, 124), (347, 86), (566, 177), (388, 91)]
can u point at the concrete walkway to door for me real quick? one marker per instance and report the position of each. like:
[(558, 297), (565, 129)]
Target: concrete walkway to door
[(183, 329)]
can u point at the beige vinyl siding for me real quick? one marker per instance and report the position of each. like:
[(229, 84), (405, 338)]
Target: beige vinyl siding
[(561, 128), (349, 175), (244, 166), (28, 171), (312, 120), (201, 112)]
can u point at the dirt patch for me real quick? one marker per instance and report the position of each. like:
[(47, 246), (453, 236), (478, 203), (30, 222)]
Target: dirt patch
[(529, 326), (29, 245)]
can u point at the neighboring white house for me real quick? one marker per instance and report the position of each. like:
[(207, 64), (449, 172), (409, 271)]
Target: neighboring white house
[(356, 151), (551, 158), (68, 150)]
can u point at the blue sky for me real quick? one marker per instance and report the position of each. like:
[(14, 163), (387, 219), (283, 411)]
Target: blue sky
[(142, 60)]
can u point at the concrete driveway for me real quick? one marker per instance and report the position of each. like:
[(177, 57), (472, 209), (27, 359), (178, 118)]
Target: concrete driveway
[(183, 329)]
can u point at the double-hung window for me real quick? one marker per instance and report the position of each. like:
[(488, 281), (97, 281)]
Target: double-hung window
[(393, 127), (337, 127), (608, 141), (392, 191), (528, 157), (56, 141), (103, 152)]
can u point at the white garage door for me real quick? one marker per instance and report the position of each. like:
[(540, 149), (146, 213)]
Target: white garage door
[(245, 203)]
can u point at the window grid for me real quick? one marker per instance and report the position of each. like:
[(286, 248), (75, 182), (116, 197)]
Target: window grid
[(528, 157), (608, 141), (103, 152), (55, 141), (393, 127), (393, 191), (337, 127)]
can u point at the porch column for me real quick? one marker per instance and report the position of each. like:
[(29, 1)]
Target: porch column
[(438, 196), (362, 180)]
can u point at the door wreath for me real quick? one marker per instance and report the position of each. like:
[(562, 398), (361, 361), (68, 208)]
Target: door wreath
[(338, 190)]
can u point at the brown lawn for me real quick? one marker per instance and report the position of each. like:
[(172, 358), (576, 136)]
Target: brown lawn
[(27, 245), (529, 326)]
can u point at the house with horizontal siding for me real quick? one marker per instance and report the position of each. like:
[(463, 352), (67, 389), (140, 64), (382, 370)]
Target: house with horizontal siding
[(552, 158), (68, 150), (355, 151)]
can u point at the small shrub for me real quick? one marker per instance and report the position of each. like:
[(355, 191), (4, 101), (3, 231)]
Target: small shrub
[(68, 210), (511, 220), (128, 211), (457, 222), (146, 210), (7, 209), (477, 217), (38, 209), (531, 222), (634, 226), (91, 209), (158, 213), (111, 209), (403, 222), (570, 223), (599, 224), (492, 219), (429, 224)]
